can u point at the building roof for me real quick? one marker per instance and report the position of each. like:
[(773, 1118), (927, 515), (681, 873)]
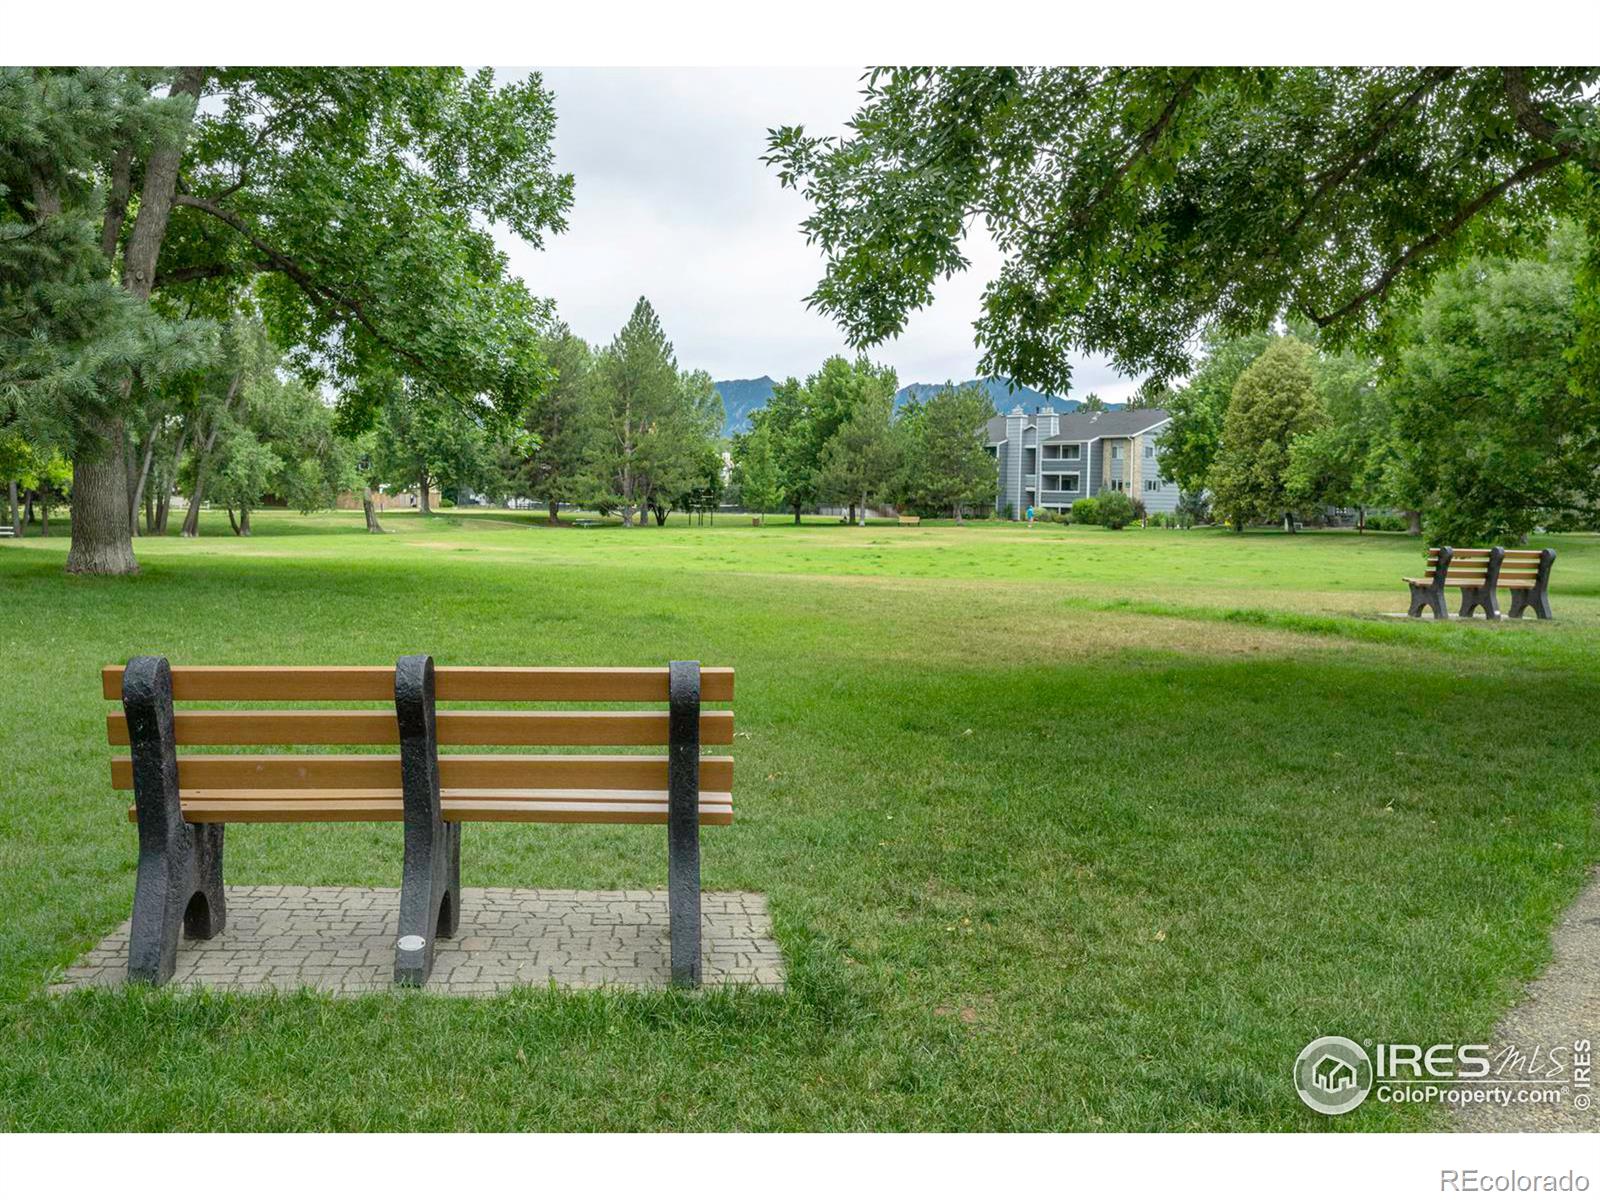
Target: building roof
[(1114, 422), (1082, 426)]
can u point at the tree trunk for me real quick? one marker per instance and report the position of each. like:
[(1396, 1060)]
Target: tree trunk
[(136, 500), (232, 522), (863, 510), (244, 521), (100, 541), (422, 496), (1288, 522), (851, 518), (555, 511), (956, 509), (149, 512), (369, 512), (44, 516), (11, 493), (797, 514), (1361, 518), (1413, 522)]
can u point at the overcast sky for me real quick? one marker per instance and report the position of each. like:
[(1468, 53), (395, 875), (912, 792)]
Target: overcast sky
[(674, 203)]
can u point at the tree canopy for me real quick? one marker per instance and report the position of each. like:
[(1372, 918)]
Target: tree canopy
[(1137, 207)]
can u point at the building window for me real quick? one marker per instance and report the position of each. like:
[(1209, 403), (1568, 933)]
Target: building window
[(1070, 451), (1116, 452), (1069, 483), (1149, 450), (1152, 485), (1118, 485)]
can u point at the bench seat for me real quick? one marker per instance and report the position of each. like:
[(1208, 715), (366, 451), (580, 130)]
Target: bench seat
[(1478, 573)]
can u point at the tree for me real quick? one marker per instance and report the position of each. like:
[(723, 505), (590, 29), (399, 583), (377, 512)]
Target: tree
[(786, 421), (1138, 207), (675, 452), (1189, 444), (755, 471), (1092, 403), (1336, 464), (1274, 400), (425, 440), (652, 426), (860, 460), (1489, 426), (561, 421), (948, 468), (356, 199)]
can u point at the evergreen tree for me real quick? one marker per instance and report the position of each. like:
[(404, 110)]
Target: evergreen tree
[(947, 467), (561, 423)]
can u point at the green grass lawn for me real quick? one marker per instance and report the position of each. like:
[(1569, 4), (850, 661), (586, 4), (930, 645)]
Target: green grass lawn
[(1061, 828)]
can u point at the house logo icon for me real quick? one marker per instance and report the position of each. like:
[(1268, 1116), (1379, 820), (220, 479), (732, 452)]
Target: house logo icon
[(1333, 1075)]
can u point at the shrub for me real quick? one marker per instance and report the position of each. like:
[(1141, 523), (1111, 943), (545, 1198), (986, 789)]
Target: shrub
[(1011, 511), (1086, 511), (1139, 511), (1386, 522), (1115, 509)]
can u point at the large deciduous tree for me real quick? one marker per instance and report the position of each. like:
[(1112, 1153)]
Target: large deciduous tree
[(1136, 207), (356, 200), (1489, 426), (1274, 400)]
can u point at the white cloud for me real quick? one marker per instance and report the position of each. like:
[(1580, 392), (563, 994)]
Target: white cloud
[(674, 203)]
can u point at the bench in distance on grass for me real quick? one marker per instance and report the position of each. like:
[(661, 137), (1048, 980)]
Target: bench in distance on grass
[(182, 804), (1479, 573), (908, 520)]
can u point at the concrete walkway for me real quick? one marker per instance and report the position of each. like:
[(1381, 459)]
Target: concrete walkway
[(341, 940), (1561, 1006)]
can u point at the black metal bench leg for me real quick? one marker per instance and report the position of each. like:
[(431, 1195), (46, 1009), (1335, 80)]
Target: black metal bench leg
[(179, 884), (683, 822), (430, 882)]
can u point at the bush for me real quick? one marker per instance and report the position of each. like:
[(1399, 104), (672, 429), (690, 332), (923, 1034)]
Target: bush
[(1011, 511), (1115, 509), (1139, 510), (1086, 511)]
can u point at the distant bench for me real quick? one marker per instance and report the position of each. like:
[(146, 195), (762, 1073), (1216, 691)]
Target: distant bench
[(907, 520), (1479, 573), (182, 804)]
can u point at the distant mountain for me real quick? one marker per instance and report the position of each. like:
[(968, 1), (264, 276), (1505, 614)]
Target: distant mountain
[(741, 397)]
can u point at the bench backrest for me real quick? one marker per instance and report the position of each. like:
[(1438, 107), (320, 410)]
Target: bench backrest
[(378, 726), (1526, 568), (1467, 568)]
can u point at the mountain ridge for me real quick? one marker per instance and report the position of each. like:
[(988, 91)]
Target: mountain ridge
[(741, 397)]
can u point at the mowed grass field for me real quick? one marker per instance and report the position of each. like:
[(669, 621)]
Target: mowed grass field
[(1061, 828)]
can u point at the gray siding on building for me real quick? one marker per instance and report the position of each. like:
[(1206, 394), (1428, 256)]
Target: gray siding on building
[(1164, 497)]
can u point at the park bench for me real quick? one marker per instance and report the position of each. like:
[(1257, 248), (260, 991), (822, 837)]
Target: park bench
[(183, 803), (1479, 573), (909, 520)]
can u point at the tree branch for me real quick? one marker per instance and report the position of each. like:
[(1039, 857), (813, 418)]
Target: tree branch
[(1333, 179), (319, 292), (1391, 272), (1146, 143), (213, 271), (1527, 113)]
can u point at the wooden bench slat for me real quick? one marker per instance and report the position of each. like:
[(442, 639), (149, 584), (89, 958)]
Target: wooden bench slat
[(451, 683), (328, 727), (455, 771), (715, 809)]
